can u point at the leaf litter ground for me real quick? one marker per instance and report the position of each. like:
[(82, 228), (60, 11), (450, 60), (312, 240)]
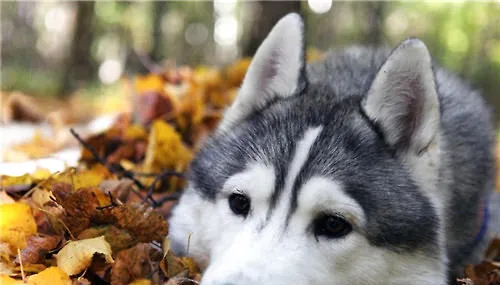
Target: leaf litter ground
[(105, 221)]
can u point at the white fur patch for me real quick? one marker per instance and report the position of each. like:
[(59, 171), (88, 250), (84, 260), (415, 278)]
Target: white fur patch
[(256, 181), (320, 194), (300, 156)]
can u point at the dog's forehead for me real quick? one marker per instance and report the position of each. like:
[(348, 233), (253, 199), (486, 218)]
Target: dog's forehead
[(346, 150)]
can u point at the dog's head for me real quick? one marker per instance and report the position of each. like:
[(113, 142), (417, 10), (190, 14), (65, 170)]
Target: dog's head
[(300, 186)]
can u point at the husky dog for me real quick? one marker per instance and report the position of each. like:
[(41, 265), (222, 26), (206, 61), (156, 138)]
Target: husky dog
[(371, 167)]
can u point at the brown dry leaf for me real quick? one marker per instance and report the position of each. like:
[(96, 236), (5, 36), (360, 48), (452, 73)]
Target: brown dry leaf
[(79, 207), (126, 269), (174, 266), (154, 105), (486, 273), (141, 221), (120, 189), (493, 250), (82, 207), (37, 247), (75, 256), (50, 276), (17, 224), (117, 238)]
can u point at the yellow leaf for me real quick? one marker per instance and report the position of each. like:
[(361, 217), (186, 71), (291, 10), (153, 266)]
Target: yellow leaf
[(141, 281), (16, 224), (16, 180), (165, 149), (50, 276), (135, 132), (236, 71), (6, 280), (41, 173), (77, 255), (148, 83), (84, 178), (41, 196)]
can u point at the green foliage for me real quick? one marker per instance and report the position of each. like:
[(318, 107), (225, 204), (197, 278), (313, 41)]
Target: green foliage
[(462, 36)]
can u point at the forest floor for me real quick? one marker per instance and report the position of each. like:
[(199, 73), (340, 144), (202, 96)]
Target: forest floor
[(87, 183)]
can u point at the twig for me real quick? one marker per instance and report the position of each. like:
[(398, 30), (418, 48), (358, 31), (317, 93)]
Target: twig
[(166, 173), (112, 203), (111, 168), (170, 197), (21, 264), (151, 188), (130, 175)]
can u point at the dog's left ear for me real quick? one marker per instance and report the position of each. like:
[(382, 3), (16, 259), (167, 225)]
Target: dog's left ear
[(276, 71), (402, 99)]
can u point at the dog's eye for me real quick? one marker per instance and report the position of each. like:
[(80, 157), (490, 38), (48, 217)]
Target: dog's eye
[(331, 226), (239, 204)]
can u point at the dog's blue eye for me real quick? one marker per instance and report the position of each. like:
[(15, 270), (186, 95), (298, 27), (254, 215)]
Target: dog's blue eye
[(239, 204), (331, 226)]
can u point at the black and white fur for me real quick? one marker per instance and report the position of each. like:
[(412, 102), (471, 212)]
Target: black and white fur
[(395, 145)]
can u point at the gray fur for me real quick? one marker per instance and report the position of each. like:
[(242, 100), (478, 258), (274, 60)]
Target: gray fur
[(352, 149)]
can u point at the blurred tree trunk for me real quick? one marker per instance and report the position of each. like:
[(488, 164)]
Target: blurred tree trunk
[(158, 50), (267, 14), (374, 17), (80, 66)]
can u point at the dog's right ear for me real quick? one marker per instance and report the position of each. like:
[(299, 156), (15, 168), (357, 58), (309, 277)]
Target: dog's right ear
[(277, 71), (403, 99)]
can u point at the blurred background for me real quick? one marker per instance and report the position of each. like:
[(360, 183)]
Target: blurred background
[(55, 48)]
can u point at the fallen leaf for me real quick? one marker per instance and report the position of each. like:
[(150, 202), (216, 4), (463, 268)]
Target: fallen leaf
[(50, 276), (75, 256), (81, 207), (5, 198), (117, 238), (166, 149), (119, 189), (84, 178), (41, 196), (148, 83), (140, 281), (174, 266), (17, 224), (81, 281), (141, 221), (126, 269), (37, 247), (6, 280)]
